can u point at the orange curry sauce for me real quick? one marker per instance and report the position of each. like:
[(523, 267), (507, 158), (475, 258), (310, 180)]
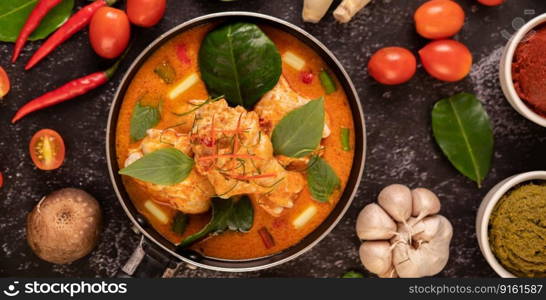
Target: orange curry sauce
[(149, 88)]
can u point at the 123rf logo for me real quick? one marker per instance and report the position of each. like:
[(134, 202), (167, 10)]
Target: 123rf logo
[(70, 288)]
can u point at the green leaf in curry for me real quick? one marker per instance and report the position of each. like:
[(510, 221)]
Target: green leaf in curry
[(300, 131), (143, 118), (235, 214), (180, 221), (166, 72), (463, 131), (327, 82), (167, 166), (321, 179), (239, 61), (345, 139), (14, 14)]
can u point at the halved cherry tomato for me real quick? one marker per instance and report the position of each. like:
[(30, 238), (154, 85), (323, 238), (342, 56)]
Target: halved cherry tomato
[(109, 32), (47, 149), (4, 83), (145, 13), (439, 19), (491, 2), (392, 65), (446, 60)]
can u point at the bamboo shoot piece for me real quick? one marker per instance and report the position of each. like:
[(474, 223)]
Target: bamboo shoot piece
[(293, 60), (314, 10), (156, 211), (183, 86), (348, 8), (304, 217)]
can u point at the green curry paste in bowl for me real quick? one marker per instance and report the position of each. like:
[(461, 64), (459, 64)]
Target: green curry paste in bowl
[(517, 230), (511, 226)]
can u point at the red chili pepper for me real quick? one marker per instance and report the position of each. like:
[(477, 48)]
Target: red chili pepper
[(267, 238), (38, 13), (76, 23), (182, 53), (307, 77), (66, 92)]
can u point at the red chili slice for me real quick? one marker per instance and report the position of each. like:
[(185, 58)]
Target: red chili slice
[(307, 77), (267, 238), (182, 53)]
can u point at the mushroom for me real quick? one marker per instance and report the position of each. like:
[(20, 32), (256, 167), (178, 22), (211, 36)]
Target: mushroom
[(417, 246), (64, 226)]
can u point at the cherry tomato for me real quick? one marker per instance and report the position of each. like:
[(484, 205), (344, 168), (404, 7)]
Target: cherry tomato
[(47, 149), (109, 32), (446, 60), (4, 83), (1, 180), (491, 2), (439, 19), (392, 65), (145, 13)]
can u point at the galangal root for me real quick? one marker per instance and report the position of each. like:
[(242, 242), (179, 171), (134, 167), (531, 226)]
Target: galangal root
[(348, 8), (314, 10), (403, 234)]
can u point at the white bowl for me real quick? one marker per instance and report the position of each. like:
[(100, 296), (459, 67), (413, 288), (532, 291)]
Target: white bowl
[(485, 210), (505, 72)]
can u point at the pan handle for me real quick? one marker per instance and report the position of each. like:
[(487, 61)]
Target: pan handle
[(147, 261)]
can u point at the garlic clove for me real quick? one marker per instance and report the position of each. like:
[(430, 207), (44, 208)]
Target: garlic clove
[(376, 256), (425, 203), (391, 273), (429, 252), (396, 200), (373, 223), (426, 229)]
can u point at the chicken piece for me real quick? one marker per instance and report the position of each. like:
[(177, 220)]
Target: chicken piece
[(274, 106), (276, 103), (237, 157), (191, 196), (299, 164)]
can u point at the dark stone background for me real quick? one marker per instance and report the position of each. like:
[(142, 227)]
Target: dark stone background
[(400, 144)]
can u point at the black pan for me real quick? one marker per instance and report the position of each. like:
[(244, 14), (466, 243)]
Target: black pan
[(157, 252)]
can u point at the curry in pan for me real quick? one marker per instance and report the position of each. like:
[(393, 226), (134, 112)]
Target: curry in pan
[(235, 140)]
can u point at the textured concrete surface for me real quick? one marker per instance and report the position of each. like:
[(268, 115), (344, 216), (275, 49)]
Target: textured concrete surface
[(401, 147)]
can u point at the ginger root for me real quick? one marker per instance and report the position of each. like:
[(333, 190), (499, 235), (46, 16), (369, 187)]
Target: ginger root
[(348, 8), (314, 10)]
